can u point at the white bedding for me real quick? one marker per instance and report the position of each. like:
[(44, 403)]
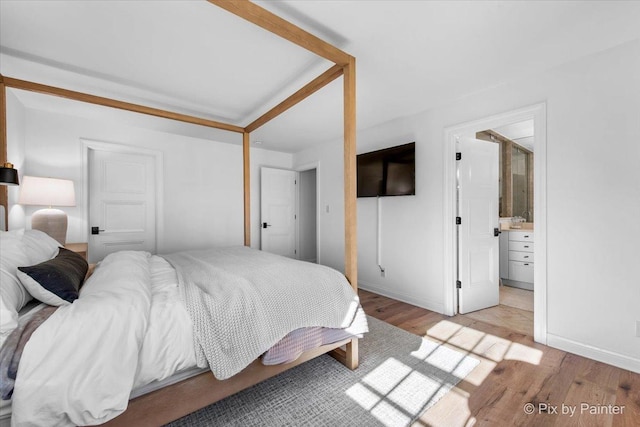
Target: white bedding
[(168, 343), (79, 366), (128, 330)]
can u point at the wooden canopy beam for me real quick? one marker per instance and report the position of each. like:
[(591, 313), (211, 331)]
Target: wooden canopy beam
[(350, 196), (246, 174), (283, 28), (4, 193), (315, 85), (107, 102)]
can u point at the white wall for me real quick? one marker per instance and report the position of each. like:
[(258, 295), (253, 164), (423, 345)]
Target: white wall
[(16, 129), (307, 214), (331, 210), (203, 189), (593, 129)]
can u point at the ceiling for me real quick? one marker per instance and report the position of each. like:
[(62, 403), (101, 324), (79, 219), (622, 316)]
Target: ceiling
[(520, 132), (195, 58)]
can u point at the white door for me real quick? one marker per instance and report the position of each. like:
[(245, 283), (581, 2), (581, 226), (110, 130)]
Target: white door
[(122, 205), (478, 243), (277, 211)]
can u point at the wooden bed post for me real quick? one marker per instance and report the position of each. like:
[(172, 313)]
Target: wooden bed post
[(246, 173), (4, 193), (350, 194)]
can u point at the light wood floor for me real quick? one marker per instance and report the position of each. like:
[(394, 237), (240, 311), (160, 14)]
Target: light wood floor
[(513, 372), (515, 311)]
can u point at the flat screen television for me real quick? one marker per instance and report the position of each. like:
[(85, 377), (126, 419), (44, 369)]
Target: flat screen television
[(388, 172)]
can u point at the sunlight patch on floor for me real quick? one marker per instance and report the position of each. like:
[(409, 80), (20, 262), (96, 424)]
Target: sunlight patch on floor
[(394, 393), (375, 404), (438, 356), (490, 348), (524, 353), (387, 375), (453, 407), (408, 389), (443, 330)]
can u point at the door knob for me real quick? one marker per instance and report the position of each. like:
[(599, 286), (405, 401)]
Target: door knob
[(96, 230), (496, 232), (265, 225)]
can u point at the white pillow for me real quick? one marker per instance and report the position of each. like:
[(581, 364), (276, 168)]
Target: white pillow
[(13, 296), (39, 246)]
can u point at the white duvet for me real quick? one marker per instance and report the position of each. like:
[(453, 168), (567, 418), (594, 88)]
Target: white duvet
[(129, 327), (124, 331)]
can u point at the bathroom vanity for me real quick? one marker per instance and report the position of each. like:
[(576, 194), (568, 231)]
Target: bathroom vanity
[(516, 257)]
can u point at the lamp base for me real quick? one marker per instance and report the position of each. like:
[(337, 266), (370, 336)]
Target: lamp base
[(51, 221)]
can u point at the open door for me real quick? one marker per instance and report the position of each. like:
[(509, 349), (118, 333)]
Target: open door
[(278, 211), (478, 229)]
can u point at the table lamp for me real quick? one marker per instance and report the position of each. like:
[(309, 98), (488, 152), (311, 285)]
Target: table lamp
[(8, 175), (38, 191)]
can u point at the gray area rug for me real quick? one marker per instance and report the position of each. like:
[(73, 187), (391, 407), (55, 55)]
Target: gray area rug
[(400, 376)]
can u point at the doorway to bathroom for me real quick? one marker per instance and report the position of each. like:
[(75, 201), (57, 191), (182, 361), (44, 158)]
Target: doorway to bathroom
[(530, 203)]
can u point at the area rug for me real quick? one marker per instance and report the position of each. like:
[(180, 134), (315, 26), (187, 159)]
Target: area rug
[(400, 376)]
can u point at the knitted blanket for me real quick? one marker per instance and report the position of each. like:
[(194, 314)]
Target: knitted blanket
[(243, 301)]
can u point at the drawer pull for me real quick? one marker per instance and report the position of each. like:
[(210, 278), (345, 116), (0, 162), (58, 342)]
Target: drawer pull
[(526, 246), (526, 236), (526, 256), (526, 263)]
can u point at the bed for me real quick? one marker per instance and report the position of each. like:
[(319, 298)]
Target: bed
[(160, 406), (149, 322)]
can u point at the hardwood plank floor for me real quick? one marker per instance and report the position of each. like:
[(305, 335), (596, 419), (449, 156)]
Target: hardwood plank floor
[(515, 311), (515, 371), (517, 298)]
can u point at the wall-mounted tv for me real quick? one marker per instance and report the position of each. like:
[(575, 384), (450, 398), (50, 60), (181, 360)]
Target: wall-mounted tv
[(388, 172)]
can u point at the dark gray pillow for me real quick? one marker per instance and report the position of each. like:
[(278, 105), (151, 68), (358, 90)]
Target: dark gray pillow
[(57, 281)]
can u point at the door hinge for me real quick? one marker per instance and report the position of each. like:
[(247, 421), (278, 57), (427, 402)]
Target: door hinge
[(458, 284), (295, 182), (458, 156), (295, 216), (458, 220)]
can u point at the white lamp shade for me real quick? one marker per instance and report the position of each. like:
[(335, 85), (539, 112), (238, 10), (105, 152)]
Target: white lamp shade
[(39, 191)]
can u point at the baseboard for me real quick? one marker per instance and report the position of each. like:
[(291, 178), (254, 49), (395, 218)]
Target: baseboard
[(516, 284), (429, 305), (595, 353)]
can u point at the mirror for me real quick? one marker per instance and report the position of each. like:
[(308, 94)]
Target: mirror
[(516, 168)]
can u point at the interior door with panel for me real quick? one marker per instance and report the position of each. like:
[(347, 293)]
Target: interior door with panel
[(278, 211), (122, 203), (478, 243)]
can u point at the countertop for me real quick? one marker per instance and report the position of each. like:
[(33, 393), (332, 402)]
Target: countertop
[(525, 226)]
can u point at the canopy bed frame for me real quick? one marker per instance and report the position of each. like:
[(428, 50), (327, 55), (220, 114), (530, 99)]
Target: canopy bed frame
[(187, 396)]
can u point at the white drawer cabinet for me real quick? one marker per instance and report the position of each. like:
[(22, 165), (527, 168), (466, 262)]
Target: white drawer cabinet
[(516, 261), (521, 256), (521, 236), (520, 246), (521, 271)]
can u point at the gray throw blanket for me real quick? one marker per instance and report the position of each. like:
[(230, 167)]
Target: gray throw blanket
[(11, 350), (243, 301)]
